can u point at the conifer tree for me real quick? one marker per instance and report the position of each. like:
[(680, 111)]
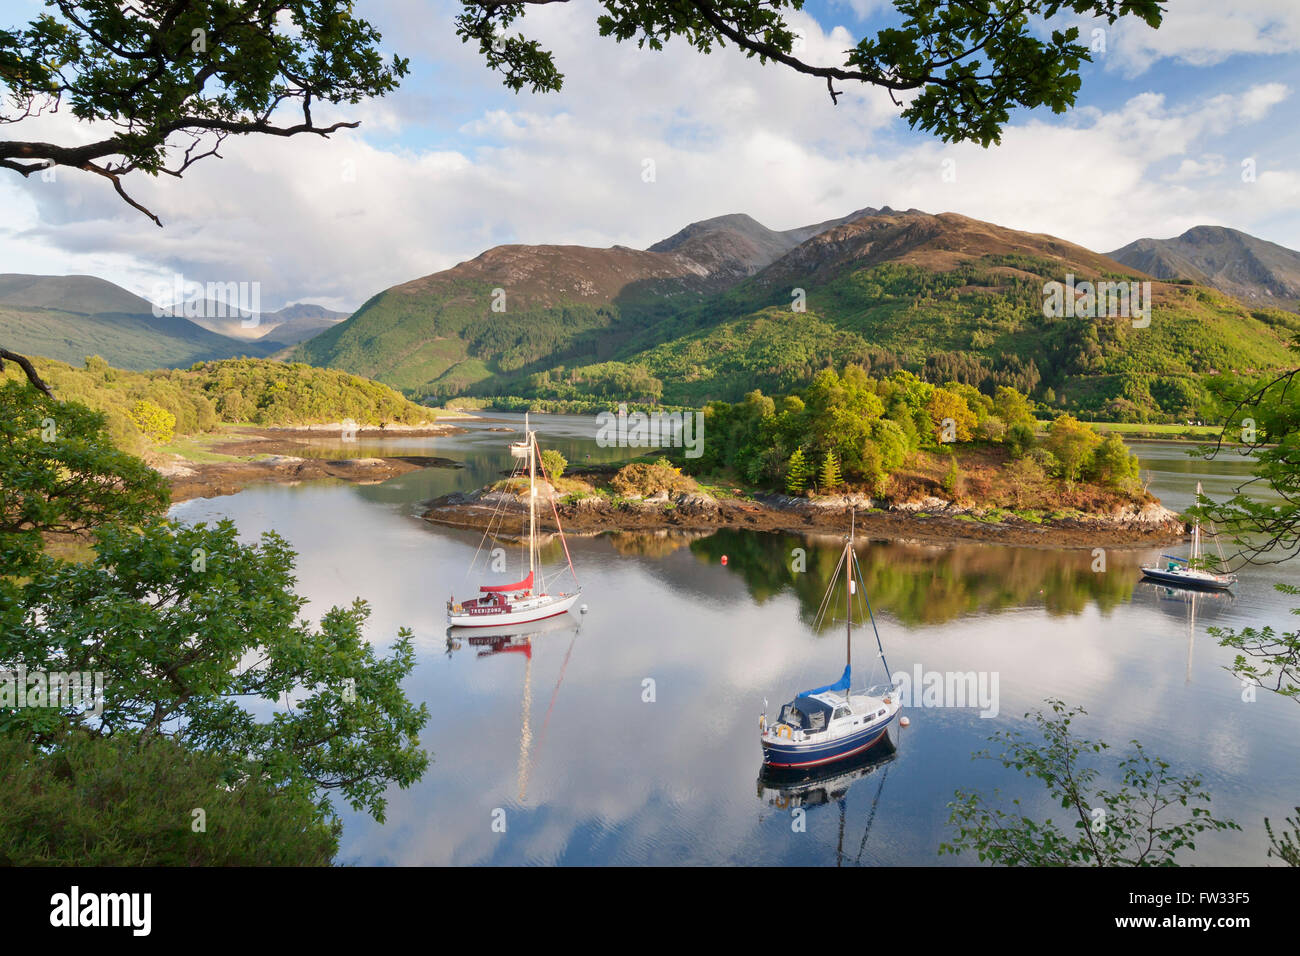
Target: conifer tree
[(797, 472), (830, 473)]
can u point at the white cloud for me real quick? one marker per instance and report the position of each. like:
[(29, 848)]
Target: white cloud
[(1206, 32), (1210, 165)]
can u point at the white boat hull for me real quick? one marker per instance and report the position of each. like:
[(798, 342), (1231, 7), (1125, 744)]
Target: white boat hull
[(531, 609)]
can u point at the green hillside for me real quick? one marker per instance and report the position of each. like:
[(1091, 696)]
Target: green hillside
[(946, 297), (981, 324), (126, 341), (453, 344), (234, 391)]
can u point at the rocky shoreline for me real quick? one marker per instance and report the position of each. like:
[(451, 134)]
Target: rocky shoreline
[(272, 460), (929, 520)]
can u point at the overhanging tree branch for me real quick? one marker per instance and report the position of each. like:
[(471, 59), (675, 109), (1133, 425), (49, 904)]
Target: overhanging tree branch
[(28, 368)]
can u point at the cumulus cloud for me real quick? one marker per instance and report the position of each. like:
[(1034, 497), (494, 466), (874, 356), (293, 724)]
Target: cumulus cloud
[(1205, 33)]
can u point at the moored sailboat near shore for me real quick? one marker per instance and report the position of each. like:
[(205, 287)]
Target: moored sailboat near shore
[(1185, 572), (832, 723), (528, 599)]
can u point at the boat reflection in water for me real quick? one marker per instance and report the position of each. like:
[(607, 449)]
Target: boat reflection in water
[(1184, 602), (518, 639), (787, 790)]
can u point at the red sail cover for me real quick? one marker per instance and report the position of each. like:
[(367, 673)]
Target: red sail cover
[(525, 585)]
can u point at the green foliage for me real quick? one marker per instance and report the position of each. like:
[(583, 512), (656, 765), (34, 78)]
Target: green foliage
[(1285, 845), (554, 463), (1113, 464), (829, 478), (952, 477), (156, 423), (1263, 415), (870, 428), (199, 605), (1072, 444), (188, 68), (1265, 658), (1146, 821), (237, 391), (1020, 439), (797, 472), (118, 801), (60, 473), (639, 479), (187, 626)]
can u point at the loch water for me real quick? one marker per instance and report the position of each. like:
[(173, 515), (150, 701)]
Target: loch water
[(629, 734)]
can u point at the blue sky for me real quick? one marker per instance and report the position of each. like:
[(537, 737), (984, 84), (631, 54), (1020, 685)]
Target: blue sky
[(453, 163)]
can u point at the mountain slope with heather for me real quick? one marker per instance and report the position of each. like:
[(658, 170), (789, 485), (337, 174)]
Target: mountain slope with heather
[(727, 305), (451, 333), (953, 298)]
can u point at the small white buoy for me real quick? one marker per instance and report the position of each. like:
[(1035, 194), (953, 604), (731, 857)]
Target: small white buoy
[(582, 609), (903, 722)]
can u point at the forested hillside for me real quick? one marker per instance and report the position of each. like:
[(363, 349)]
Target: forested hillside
[(152, 407)]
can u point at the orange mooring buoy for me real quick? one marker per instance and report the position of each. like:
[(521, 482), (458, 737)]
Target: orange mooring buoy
[(724, 559), (903, 721)]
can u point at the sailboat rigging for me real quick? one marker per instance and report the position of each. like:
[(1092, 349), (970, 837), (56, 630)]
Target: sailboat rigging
[(527, 599), (831, 723)]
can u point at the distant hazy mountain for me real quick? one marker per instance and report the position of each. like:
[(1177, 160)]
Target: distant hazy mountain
[(287, 326), (70, 317), (1254, 270)]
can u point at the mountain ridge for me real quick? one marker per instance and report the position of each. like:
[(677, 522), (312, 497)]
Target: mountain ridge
[(1252, 269)]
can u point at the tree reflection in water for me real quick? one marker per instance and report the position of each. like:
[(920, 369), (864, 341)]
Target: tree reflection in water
[(926, 584)]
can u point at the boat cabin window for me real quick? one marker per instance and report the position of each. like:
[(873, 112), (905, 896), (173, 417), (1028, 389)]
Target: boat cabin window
[(840, 712)]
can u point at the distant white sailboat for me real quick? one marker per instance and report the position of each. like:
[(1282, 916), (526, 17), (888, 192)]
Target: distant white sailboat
[(1183, 572), (519, 602)]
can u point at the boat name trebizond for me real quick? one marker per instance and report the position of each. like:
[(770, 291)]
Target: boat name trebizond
[(651, 430)]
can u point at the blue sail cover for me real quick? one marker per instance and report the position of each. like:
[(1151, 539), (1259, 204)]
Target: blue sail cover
[(841, 685)]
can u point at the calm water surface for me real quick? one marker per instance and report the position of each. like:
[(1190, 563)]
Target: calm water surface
[(552, 727)]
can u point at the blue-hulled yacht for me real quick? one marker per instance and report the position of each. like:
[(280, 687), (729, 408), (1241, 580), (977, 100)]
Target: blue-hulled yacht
[(833, 723)]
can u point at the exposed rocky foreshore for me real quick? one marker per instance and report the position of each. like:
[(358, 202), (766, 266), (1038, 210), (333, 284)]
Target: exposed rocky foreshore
[(931, 519)]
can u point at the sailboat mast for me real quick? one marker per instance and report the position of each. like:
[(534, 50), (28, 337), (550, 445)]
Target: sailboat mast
[(848, 598), (532, 492), (1196, 530)]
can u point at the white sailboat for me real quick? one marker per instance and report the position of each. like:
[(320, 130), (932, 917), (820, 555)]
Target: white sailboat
[(1184, 572), (525, 600)]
